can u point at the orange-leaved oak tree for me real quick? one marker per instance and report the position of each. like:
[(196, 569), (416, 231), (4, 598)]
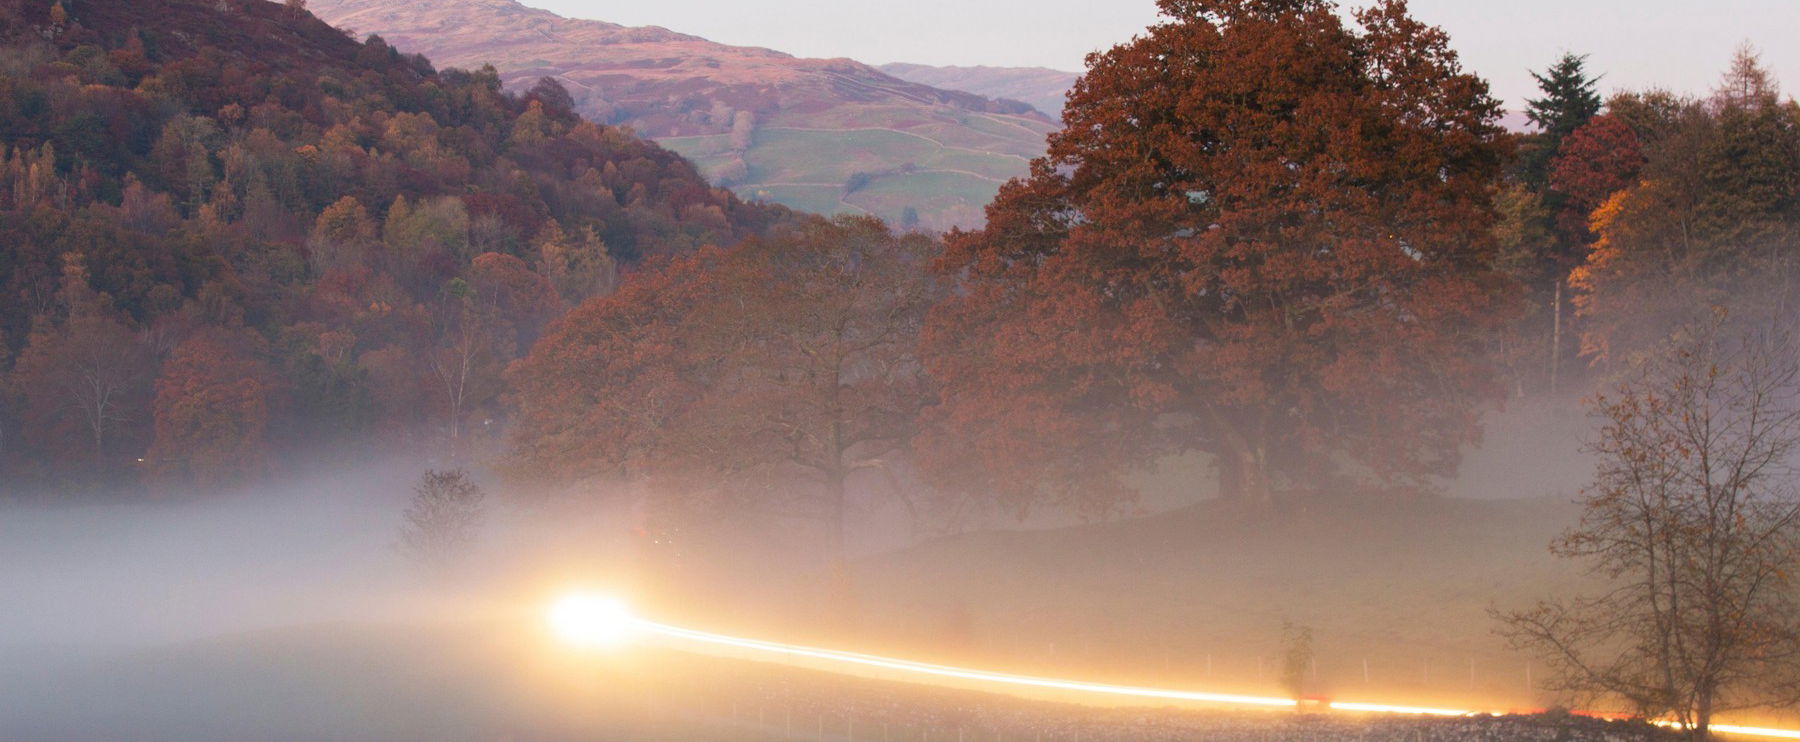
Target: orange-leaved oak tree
[(1597, 160), (774, 369), (1263, 235), (214, 400)]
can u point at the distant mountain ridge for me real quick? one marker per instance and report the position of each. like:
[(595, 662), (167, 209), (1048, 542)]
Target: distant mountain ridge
[(1044, 88), (825, 135)]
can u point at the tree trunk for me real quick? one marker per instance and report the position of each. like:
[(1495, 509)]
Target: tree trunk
[(835, 493), (1240, 456), (1556, 342), (841, 610), (1703, 716), (1244, 476)]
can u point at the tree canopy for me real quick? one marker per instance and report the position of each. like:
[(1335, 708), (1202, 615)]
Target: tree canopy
[(1264, 234), (314, 199), (788, 357)]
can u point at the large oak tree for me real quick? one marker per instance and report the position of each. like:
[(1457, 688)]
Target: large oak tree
[(1264, 235), (775, 369)]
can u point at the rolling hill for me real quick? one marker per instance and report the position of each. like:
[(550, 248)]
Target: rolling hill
[(1042, 87), (824, 135)]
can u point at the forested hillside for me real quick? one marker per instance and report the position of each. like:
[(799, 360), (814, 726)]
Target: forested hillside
[(227, 229)]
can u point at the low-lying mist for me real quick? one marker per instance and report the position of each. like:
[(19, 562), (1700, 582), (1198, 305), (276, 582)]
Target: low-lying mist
[(289, 612), (284, 612)]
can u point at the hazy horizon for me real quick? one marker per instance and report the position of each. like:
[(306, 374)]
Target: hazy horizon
[(1635, 45)]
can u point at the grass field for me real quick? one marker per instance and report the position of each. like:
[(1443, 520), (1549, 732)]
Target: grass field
[(936, 192), (1406, 587), (947, 170)]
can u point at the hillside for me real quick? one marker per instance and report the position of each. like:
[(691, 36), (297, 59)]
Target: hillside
[(254, 234), (824, 135), (1042, 87)]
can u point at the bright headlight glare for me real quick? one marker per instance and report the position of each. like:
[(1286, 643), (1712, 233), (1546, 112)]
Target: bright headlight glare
[(591, 620)]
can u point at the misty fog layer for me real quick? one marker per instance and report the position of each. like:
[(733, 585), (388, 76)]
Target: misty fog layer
[(289, 607), (331, 377), (125, 575), (286, 612)]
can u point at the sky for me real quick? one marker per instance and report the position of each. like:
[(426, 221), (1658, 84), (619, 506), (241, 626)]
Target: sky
[(1677, 44)]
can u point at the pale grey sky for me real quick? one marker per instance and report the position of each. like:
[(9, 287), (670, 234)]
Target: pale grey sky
[(1679, 44)]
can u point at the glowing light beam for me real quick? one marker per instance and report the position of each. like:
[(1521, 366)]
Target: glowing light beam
[(591, 620), (922, 668), (595, 620), (1381, 708)]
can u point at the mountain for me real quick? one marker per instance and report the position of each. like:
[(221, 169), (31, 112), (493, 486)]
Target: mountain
[(1042, 87), (823, 135)]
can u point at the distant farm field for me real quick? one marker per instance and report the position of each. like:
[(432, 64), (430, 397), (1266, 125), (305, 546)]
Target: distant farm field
[(946, 171)]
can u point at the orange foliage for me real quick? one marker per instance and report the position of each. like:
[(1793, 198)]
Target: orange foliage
[(213, 403), (788, 358), (1263, 235)]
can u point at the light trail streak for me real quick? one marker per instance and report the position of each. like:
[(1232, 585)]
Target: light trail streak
[(1382, 708), (945, 671), (889, 663), (1749, 731)]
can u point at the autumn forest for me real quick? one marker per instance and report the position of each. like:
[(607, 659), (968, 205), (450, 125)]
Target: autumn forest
[(215, 258)]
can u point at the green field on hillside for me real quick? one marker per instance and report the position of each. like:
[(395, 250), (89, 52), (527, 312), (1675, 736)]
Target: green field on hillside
[(946, 171)]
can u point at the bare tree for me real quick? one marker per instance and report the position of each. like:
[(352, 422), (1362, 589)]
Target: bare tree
[(468, 359), (1693, 522), (443, 520)]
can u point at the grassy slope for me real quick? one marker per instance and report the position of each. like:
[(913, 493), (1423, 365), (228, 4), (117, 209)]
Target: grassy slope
[(1043, 88), (493, 682), (449, 682), (957, 166), (1406, 587)]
